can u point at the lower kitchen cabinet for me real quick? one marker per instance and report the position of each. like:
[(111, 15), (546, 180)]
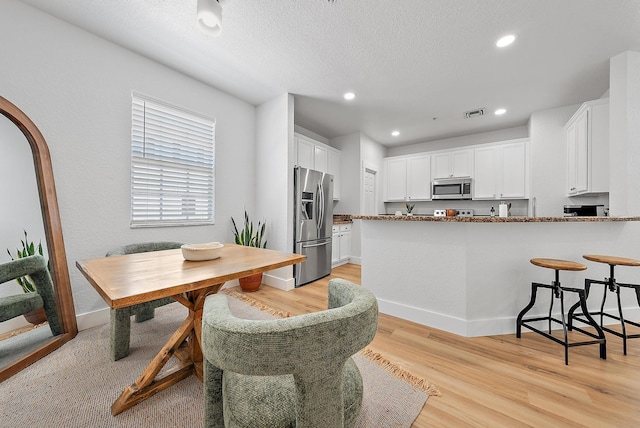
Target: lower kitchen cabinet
[(340, 244)]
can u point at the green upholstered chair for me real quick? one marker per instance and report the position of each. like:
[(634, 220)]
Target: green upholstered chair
[(121, 318), (290, 372), (20, 304)]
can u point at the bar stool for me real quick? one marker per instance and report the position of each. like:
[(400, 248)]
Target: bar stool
[(613, 286), (557, 291)]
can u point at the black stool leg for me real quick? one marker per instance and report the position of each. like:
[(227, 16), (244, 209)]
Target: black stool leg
[(553, 293), (571, 316), (564, 328), (599, 331), (624, 330), (534, 291)]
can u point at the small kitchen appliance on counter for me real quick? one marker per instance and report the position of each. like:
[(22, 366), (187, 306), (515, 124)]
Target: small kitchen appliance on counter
[(584, 210), (453, 213)]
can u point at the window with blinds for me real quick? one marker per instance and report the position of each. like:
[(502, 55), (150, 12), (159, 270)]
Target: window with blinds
[(172, 165)]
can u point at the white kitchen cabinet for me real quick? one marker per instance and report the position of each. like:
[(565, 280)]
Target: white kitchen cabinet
[(340, 244), (335, 245), (313, 154), (587, 139), (321, 158), (457, 163), (407, 178), (500, 171), (305, 153)]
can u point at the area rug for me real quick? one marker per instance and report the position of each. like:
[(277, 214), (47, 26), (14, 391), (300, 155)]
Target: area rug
[(76, 385)]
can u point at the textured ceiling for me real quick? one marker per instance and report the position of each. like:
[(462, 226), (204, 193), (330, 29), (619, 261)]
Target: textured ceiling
[(415, 65)]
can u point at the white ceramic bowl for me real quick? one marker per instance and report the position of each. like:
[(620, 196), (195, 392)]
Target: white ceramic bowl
[(198, 252)]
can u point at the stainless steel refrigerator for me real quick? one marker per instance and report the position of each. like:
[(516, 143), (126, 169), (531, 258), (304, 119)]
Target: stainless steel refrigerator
[(312, 223)]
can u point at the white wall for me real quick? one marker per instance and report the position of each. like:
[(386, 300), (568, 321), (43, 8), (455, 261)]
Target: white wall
[(547, 148), (77, 88), (624, 134), (466, 140), (304, 131), (274, 180), (349, 146)]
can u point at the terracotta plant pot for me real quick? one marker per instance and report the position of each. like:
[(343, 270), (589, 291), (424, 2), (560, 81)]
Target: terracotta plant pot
[(251, 283), (36, 317)]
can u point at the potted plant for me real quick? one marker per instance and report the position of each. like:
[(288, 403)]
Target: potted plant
[(252, 238), (409, 208), (37, 316)]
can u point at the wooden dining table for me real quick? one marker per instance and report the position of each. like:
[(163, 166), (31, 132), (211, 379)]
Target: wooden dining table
[(136, 278)]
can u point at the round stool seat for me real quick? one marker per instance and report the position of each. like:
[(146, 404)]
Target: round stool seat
[(558, 264), (612, 260)]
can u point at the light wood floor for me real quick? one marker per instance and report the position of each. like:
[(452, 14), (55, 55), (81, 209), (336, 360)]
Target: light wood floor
[(496, 381)]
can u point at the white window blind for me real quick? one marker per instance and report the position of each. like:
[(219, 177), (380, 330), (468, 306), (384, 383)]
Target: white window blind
[(172, 165)]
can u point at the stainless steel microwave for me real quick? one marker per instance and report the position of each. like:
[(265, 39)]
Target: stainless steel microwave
[(451, 188)]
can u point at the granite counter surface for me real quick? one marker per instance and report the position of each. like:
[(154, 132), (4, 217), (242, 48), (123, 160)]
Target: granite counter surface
[(487, 219)]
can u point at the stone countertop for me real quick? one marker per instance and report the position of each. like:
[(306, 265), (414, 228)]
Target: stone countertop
[(342, 219), (487, 219)]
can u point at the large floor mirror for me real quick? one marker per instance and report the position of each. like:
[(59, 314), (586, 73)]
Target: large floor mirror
[(29, 204)]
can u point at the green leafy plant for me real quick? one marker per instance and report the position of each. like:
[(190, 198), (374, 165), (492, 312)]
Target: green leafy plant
[(28, 249), (409, 207), (249, 236)]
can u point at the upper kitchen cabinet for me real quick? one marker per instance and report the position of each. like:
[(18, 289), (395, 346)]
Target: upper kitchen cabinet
[(407, 178), (501, 171), (587, 136), (458, 163), (313, 154)]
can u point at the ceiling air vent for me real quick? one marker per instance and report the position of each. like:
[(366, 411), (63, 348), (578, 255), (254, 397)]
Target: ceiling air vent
[(474, 113)]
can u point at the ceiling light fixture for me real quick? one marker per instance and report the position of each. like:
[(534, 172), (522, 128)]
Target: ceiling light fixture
[(505, 41), (500, 111), (349, 96), (209, 17), (395, 133)]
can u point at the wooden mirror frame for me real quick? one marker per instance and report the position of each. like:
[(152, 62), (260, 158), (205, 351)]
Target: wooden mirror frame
[(55, 242)]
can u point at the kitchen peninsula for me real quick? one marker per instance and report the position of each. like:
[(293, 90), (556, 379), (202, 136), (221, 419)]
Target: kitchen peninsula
[(471, 275)]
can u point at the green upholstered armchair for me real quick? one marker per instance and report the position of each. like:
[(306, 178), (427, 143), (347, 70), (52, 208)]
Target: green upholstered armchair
[(19, 304), (290, 372), (120, 334)]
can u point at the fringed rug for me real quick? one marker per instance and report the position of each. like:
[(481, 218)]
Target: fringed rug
[(76, 385)]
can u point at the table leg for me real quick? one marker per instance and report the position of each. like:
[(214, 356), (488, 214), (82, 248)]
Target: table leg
[(184, 344)]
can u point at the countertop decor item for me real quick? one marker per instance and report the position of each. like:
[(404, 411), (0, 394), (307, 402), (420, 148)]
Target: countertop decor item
[(409, 208), (451, 213), (199, 252)]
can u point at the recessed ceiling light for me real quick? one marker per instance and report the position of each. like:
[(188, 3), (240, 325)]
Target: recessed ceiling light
[(505, 41), (500, 111), (395, 133), (349, 95)]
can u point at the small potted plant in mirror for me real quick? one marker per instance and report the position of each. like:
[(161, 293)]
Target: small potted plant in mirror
[(37, 316), (409, 208), (251, 237)]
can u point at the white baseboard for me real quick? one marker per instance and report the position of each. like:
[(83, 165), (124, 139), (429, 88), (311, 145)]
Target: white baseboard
[(355, 260), (279, 283), (474, 328), (93, 319)]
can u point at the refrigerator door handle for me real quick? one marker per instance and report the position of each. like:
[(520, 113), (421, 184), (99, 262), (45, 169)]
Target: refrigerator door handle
[(320, 193), (316, 245)]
